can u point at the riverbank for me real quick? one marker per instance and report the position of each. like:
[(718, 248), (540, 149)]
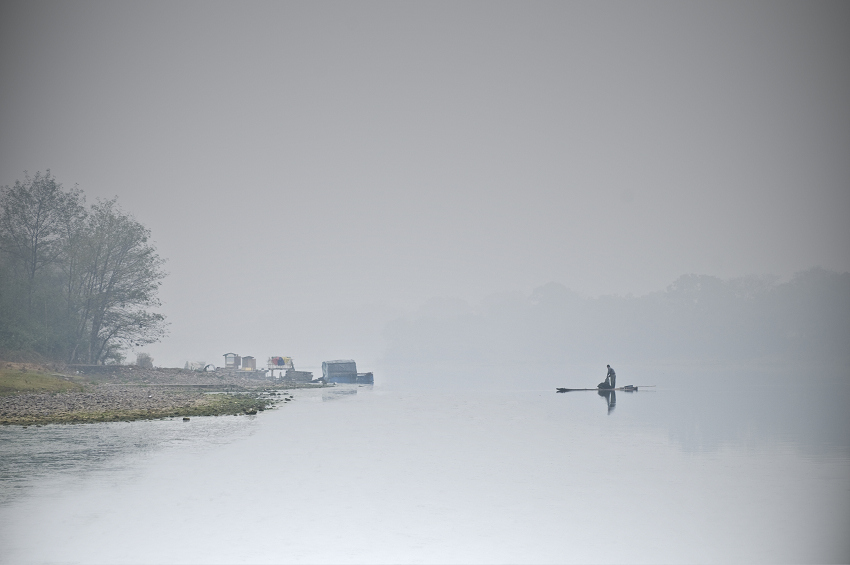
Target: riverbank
[(38, 395)]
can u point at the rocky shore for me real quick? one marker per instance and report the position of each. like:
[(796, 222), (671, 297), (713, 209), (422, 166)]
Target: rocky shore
[(133, 393)]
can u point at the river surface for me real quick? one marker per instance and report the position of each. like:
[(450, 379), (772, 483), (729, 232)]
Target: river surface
[(700, 469)]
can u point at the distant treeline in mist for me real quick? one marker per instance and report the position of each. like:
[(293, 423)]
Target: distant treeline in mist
[(697, 318), (77, 284)]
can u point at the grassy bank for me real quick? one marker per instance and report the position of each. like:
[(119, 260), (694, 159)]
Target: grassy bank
[(15, 381)]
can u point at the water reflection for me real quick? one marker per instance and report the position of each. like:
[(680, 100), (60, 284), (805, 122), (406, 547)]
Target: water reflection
[(610, 397), (337, 393), (32, 453)]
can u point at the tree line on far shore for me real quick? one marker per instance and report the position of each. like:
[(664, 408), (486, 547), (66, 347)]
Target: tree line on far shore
[(78, 283), (697, 318)]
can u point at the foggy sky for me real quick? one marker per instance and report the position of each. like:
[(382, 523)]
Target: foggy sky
[(295, 157)]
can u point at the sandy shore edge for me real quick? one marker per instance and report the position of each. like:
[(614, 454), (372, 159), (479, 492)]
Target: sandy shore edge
[(132, 393)]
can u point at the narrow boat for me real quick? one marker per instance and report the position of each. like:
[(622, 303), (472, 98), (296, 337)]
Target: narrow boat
[(627, 388)]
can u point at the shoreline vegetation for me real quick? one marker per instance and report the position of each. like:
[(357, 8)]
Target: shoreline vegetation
[(77, 283), (35, 395)]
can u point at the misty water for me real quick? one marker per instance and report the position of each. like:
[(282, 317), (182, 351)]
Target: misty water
[(708, 466)]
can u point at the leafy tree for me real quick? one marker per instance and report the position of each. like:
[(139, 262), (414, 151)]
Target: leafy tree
[(120, 274), (87, 279), (144, 360), (34, 217)]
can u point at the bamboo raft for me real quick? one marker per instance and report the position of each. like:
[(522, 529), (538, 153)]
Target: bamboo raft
[(627, 388)]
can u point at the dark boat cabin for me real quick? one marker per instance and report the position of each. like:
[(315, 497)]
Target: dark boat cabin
[(339, 371), (344, 371)]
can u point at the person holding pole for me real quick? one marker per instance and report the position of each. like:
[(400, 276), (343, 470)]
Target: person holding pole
[(611, 378)]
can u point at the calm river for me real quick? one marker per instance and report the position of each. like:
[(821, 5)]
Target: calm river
[(699, 469)]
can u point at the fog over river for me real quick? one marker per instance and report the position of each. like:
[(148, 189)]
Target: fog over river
[(478, 202), (708, 466)]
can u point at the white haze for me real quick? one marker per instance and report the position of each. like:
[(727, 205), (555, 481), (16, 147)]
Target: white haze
[(314, 171)]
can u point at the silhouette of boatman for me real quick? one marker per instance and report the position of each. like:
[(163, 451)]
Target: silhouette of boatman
[(610, 379), (606, 389)]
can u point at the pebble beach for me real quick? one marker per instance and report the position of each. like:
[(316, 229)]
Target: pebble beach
[(133, 393)]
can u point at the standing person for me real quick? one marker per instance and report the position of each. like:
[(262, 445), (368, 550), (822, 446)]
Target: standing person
[(611, 378)]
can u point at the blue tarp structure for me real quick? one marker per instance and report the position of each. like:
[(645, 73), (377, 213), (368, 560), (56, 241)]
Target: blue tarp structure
[(344, 371), (339, 371)]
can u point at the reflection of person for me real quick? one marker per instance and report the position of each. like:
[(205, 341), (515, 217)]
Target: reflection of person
[(610, 398), (611, 378)]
